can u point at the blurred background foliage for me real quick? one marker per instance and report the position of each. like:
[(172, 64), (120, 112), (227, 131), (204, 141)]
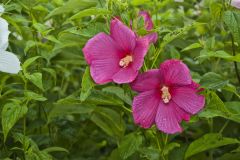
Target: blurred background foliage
[(53, 110)]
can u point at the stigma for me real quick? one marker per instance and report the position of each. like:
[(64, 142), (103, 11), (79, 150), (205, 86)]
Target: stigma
[(124, 62), (166, 96)]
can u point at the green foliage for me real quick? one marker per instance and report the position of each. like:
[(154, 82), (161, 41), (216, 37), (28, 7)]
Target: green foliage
[(232, 20), (11, 113), (53, 109), (87, 85), (208, 141)]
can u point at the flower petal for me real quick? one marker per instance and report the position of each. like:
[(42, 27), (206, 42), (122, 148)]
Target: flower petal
[(123, 35), (139, 52), (147, 81), (195, 86), (1, 9), (4, 33), (168, 118), (102, 70), (125, 75), (9, 62), (175, 72), (151, 37), (147, 20), (181, 114), (101, 47), (187, 99), (235, 3), (145, 106)]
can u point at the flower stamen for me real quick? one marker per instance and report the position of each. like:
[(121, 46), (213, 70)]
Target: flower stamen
[(166, 96), (124, 62)]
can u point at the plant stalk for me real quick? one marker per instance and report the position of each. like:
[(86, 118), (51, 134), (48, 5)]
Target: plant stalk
[(235, 63)]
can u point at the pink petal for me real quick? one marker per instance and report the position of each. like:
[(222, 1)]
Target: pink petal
[(147, 20), (235, 3), (187, 99), (102, 70), (175, 72), (196, 86), (125, 75), (100, 47), (181, 114), (168, 118), (147, 81), (123, 35), (139, 52), (145, 106), (151, 37)]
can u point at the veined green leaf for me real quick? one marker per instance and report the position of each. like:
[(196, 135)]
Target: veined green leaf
[(72, 5), (232, 20), (11, 113), (130, 144), (90, 12), (87, 84), (208, 141), (36, 79)]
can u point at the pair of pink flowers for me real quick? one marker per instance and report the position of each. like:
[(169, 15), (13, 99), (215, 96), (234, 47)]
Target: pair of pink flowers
[(166, 95)]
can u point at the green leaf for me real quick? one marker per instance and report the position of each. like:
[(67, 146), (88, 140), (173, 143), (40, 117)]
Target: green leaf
[(207, 142), (87, 85), (215, 107), (11, 113), (139, 2), (55, 149), (104, 98), (28, 62), (109, 121), (36, 79), (119, 92), (129, 145), (192, 46), (169, 147), (205, 54), (232, 20), (213, 80), (90, 12), (67, 109), (150, 153), (230, 156), (72, 5), (216, 11), (52, 72), (34, 96)]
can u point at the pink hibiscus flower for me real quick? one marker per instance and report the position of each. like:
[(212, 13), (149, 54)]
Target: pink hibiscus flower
[(235, 3), (116, 57), (152, 37), (166, 97), (147, 19)]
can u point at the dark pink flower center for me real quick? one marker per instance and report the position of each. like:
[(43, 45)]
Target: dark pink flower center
[(166, 96), (124, 62)]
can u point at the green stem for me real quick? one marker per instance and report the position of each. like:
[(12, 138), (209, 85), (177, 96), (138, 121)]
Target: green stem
[(224, 126), (126, 109), (156, 57), (235, 63), (24, 138), (166, 140), (158, 136)]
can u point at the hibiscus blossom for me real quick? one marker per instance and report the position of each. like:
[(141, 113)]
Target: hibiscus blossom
[(166, 97), (116, 57), (8, 61), (148, 24), (235, 3)]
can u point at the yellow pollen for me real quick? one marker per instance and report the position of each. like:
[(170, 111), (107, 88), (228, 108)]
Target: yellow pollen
[(124, 62), (166, 96)]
